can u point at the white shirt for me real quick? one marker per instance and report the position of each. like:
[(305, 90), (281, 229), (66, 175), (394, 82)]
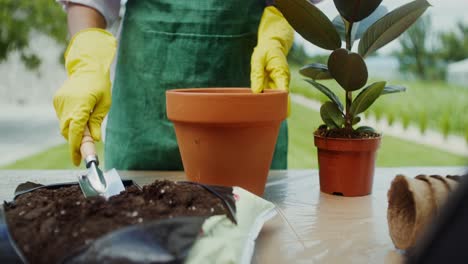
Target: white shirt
[(109, 9)]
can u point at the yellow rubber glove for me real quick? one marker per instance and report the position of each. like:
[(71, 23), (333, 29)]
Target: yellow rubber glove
[(269, 65), (85, 97)]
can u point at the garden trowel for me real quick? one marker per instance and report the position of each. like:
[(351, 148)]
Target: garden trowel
[(95, 182)]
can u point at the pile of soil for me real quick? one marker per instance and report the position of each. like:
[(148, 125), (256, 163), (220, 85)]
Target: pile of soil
[(48, 225), (323, 131)]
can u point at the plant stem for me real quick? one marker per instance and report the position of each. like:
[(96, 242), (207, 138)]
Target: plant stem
[(349, 29), (349, 95), (348, 117)]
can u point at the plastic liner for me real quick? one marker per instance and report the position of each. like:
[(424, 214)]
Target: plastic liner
[(165, 241), (9, 253), (162, 241)]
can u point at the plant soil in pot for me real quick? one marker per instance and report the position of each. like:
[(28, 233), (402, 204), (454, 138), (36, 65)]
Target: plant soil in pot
[(346, 166), (50, 225), (227, 136)]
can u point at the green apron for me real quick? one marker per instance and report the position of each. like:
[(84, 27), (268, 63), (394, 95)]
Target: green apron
[(168, 44)]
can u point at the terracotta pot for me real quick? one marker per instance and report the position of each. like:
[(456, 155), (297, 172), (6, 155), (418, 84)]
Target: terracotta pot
[(227, 136), (346, 166)]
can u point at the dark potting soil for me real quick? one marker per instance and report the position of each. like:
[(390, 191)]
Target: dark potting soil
[(323, 131), (48, 225)]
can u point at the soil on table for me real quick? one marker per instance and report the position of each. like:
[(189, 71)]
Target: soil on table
[(323, 131), (49, 224)]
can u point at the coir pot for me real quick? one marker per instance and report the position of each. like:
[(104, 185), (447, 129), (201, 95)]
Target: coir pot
[(346, 166), (227, 136)]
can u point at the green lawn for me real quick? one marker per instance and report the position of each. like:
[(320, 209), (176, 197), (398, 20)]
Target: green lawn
[(302, 153), (392, 153), (54, 158)]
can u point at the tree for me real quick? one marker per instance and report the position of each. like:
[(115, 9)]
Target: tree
[(417, 54), (454, 44), (297, 55), (18, 19)]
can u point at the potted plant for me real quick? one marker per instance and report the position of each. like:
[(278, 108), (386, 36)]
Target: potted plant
[(346, 153)]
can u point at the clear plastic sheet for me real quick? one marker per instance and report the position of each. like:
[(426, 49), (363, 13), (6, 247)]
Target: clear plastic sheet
[(313, 227)]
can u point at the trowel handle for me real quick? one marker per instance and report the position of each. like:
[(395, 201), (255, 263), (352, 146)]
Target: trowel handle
[(88, 150)]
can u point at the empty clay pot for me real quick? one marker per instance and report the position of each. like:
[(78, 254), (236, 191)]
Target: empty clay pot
[(346, 166), (227, 136)]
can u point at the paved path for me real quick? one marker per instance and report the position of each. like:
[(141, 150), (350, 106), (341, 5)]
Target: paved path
[(453, 144), (25, 131)]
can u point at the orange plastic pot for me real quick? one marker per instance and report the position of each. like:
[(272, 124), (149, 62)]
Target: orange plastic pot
[(346, 166), (227, 136)]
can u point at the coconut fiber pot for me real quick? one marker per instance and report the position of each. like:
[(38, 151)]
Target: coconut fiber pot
[(346, 166), (227, 136)]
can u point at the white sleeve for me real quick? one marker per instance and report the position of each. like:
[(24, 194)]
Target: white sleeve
[(109, 9)]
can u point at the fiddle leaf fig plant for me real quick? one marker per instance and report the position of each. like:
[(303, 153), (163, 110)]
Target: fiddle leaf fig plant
[(366, 21)]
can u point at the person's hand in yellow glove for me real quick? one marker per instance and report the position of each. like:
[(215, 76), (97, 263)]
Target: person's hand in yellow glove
[(269, 66), (85, 97)]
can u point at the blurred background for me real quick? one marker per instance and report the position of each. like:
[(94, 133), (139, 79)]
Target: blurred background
[(425, 126)]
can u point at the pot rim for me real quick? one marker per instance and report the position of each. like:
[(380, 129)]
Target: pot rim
[(222, 91), (349, 139), (226, 106), (347, 144)]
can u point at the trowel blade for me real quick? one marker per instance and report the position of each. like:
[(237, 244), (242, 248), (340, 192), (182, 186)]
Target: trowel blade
[(109, 183), (114, 183)]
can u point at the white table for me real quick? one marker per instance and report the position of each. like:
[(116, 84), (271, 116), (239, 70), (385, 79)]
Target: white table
[(310, 227)]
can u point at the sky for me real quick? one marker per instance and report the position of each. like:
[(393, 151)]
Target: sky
[(444, 14)]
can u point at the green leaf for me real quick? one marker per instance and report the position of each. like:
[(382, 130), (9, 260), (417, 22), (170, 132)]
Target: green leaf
[(391, 26), (331, 115), (310, 23), (316, 71), (348, 69), (326, 91), (366, 98), (329, 122), (356, 120), (367, 129), (359, 27), (356, 10), (393, 89)]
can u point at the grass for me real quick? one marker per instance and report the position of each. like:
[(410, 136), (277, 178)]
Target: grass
[(54, 158), (444, 106), (392, 153), (302, 152)]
